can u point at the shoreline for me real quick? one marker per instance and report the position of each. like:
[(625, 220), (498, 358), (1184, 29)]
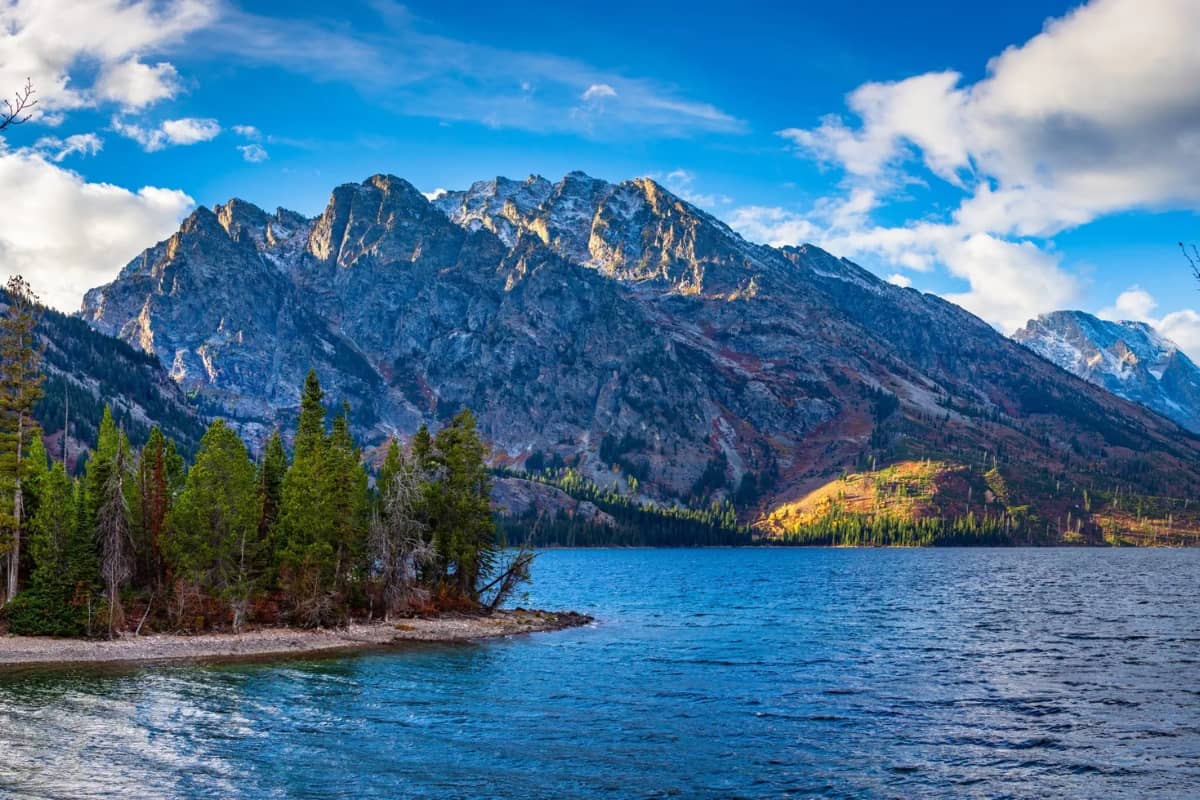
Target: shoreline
[(25, 651)]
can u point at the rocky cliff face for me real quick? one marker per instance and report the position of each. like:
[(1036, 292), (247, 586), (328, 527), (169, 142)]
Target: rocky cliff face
[(1129, 359), (613, 327)]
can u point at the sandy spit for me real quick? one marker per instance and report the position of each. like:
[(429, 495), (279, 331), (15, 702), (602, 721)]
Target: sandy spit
[(26, 650)]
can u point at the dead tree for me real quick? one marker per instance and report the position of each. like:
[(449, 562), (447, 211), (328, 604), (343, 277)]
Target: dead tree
[(116, 540), (399, 547), (20, 109)]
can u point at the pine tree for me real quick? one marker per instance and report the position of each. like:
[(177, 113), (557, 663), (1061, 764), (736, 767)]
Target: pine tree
[(348, 490), (20, 390), (310, 433), (214, 541), (305, 528), (152, 501), (460, 506), (271, 473), (422, 447), (56, 600), (393, 462)]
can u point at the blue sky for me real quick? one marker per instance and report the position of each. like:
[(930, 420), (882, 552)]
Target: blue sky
[(1018, 158)]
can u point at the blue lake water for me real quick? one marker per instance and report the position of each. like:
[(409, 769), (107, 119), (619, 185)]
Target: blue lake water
[(711, 674)]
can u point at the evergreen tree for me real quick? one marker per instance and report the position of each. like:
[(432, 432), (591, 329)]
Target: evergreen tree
[(20, 390), (305, 528), (393, 462), (422, 447), (214, 541), (464, 532), (152, 501), (271, 473), (310, 433), (55, 602), (348, 492)]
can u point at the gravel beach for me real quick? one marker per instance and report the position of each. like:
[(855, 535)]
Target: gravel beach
[(25, 650)]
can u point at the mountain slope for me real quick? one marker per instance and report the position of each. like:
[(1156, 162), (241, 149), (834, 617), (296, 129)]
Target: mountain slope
[(1129, 359), (616, 328), (85, 370)]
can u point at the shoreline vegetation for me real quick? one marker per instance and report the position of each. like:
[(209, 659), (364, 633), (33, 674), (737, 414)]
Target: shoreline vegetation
[(142, 541), (271, 642)]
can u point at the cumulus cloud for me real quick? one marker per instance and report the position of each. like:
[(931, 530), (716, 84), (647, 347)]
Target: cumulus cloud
[(135, 85), (1041, 148), (1008, 281), (68, 234), (899, 279), (1097, 114), (47, 40), (254, 153), (185, 131), (247, 132)]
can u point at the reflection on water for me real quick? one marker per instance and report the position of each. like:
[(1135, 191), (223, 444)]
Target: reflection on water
[(714, 673)]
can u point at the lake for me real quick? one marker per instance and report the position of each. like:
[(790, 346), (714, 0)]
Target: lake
[(711, 674)]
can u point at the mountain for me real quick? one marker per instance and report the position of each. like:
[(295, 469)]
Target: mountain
[(85, 370), (619, 330), (1129, 359)]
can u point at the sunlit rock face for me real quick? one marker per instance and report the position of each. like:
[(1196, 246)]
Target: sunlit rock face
[(611, 327), (1129, 359)]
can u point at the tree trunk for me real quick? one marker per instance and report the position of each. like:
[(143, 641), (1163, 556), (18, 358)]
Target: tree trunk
[(14, 556)]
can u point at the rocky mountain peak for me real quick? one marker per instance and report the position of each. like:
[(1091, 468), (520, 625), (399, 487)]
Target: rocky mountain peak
[(1128, 358), (384, 216)]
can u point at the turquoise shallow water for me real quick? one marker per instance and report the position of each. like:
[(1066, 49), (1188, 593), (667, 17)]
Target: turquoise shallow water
[(712, 674)]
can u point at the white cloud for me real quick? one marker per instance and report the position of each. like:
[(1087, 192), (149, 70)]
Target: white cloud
[(186, 131), (598, 91), (436, 194), (190, 130), (1134, 303), (924, 110), (774, 226), (898, 279), (254, 153), (1008, 282), (1011, 282), (247, 132), (68, 234), (56, 149), (1182, 327), (1098, 114), (47, 40), (1037, 144), (135, 85)]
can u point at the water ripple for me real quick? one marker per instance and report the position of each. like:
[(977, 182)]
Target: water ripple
[(712, 674)]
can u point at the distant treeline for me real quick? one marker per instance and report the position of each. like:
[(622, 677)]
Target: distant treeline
[(633, 524)]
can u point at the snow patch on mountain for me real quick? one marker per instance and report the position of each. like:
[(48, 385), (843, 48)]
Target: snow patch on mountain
[(1130, 359)]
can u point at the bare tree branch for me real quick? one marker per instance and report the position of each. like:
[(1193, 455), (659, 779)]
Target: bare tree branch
[(19, 110)]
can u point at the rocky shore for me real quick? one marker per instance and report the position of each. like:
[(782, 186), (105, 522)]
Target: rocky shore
[(26, 650)]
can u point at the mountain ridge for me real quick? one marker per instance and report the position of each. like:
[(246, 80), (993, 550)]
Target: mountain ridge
[(614, 327)]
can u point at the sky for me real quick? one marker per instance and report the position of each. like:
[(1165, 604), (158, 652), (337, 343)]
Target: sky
[(1015, 158)]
